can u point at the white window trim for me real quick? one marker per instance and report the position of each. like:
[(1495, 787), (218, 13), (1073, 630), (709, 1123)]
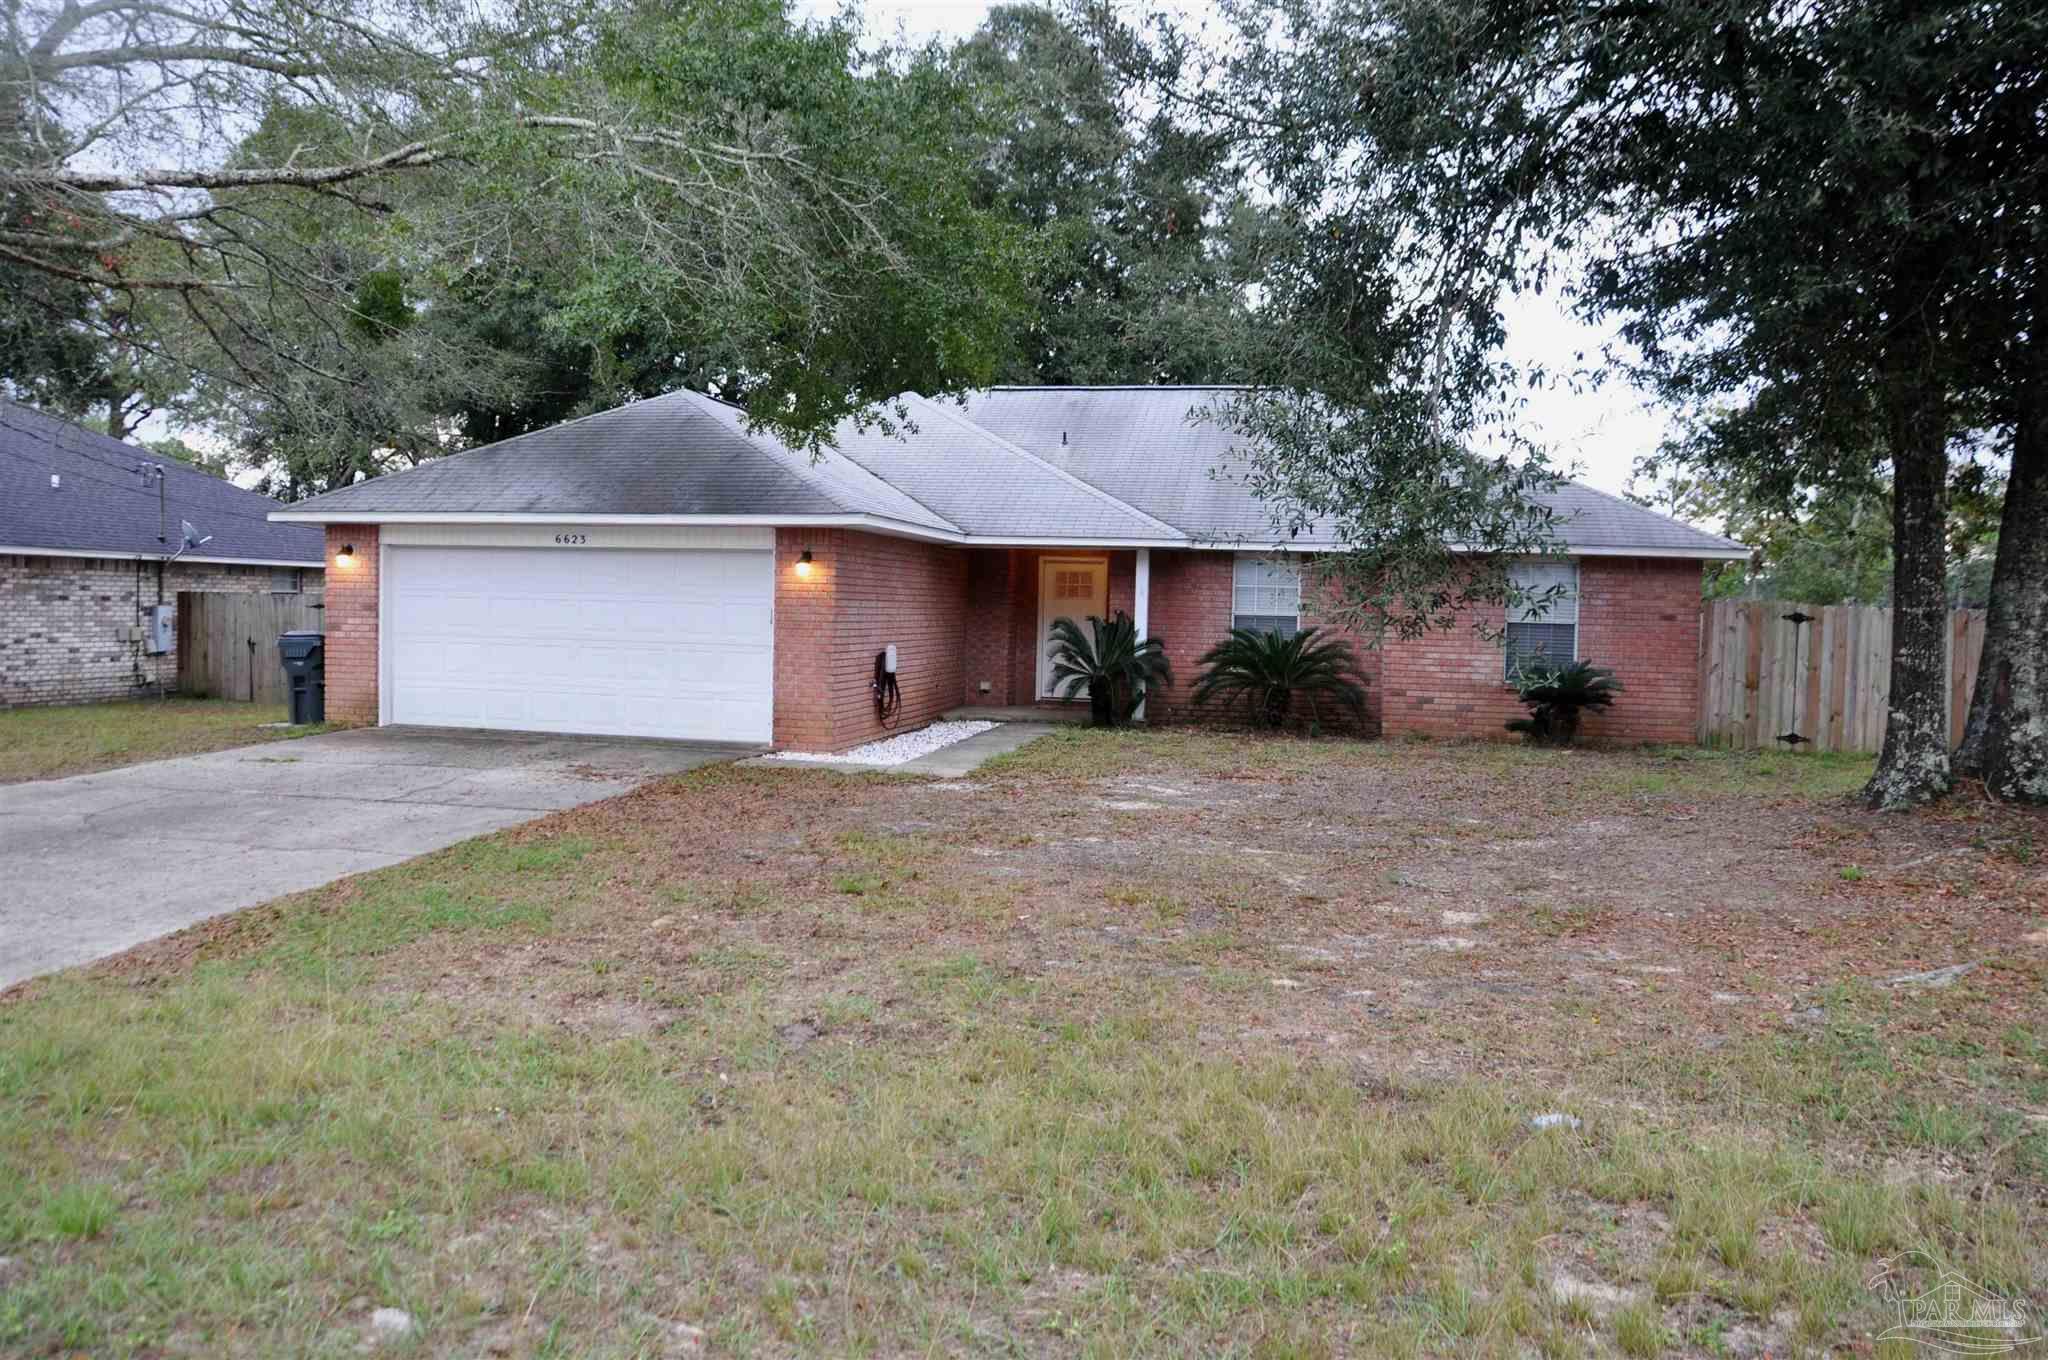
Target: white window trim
[(1237, 609), (1549, 616)]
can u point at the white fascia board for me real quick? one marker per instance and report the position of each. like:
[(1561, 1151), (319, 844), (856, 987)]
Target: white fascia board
[(1736, 554), (901, 529), (870, 522), (315, 563)]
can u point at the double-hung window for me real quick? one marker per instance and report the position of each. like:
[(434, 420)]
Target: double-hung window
[(1543, 618), (1265, 595)]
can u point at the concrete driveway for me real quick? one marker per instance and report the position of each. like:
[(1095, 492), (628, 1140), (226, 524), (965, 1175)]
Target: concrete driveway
[(95, 864)]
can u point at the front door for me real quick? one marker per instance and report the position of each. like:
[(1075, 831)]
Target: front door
[(1068, 588)]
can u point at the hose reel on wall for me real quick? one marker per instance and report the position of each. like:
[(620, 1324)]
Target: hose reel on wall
[(888, 694)]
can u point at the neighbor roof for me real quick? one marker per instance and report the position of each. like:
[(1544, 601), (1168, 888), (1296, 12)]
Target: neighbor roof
[(1098, 465), (101, 505)]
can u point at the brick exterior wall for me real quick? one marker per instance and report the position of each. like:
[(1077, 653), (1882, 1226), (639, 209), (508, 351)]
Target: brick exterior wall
[(991, 625), (864, 592), (1639, 616), (961, 616), (1016, 680), (65, 623), (352, 625), (805, 627), (1190, 613)]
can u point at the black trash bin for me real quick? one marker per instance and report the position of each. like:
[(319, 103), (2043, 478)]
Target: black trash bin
[(305, 674)]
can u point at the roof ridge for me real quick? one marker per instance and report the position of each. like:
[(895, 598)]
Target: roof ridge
[(1060, 472)]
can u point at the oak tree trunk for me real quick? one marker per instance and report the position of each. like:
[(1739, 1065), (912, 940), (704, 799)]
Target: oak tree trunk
[(1913, 767), (2006, 741)]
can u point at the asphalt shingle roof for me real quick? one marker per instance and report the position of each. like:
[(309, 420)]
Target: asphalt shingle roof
[(1154, 448), (990, 487), (101, 504), (1100, 464), (1146, 446), (682, 454)]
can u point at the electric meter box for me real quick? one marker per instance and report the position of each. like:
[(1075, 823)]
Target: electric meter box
[(159, 628)]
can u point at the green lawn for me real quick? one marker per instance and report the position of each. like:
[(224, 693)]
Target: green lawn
[(1163, 1044), (48, 743)]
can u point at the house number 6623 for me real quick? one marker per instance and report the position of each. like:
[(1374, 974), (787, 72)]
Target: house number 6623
[(571, 540)]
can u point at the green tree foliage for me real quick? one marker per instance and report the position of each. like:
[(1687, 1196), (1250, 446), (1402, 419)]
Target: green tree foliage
[(1824, 216), (715, 195), (1378, 414), (1832, 547), (1146, 244)]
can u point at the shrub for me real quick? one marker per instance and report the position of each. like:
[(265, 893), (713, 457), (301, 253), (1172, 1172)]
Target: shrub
[(1558, 697), (1110, 663), (1270, 673)]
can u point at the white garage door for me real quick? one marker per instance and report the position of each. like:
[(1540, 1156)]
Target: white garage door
[(636, 643)]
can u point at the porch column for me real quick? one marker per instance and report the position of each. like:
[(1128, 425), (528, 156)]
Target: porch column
[(1141, 603)]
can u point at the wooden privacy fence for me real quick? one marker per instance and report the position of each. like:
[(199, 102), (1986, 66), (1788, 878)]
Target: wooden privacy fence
[(227, 643), (1774, 668)]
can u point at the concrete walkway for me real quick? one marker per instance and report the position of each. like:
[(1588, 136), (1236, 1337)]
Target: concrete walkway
[(99, 863)]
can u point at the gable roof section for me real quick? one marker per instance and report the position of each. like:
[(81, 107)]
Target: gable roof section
[(990, 487), (1014, 464), (101, 506), (1157, 449), (681, 454), (1147, 446)]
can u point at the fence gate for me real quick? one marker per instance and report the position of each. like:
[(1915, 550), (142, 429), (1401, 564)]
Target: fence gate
[(227, 642), (1784, 675)]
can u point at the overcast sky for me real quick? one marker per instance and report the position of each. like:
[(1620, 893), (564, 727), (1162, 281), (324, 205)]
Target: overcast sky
[(1601, 432)]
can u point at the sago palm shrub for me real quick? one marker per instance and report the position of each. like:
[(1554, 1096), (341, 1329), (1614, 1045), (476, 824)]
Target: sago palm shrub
[(1110, 663), (1278, 677), (1558, 697)]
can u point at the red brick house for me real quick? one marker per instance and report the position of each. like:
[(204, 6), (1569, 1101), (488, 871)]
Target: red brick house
[(658, 570)]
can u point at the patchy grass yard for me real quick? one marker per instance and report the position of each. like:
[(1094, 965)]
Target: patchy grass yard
[(1162, 1044), (49, 743)]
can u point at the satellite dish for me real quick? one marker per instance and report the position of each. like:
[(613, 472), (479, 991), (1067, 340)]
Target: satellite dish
[(192, 538)]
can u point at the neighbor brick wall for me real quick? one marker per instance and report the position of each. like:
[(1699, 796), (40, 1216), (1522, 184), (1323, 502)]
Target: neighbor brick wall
[(1639, 616), (352, 625), (65, 623), (865, 591)]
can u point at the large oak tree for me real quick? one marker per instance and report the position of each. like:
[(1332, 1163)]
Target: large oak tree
[(1817, 214), (759, 203)]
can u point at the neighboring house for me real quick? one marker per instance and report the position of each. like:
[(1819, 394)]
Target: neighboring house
[(82, 563), (657, 570)]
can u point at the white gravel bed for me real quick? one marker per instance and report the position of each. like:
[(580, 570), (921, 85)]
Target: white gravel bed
[(893, 750)]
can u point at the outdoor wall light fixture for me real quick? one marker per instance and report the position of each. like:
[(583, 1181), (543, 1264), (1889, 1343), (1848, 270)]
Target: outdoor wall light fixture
[(346, 558), (803, 565)]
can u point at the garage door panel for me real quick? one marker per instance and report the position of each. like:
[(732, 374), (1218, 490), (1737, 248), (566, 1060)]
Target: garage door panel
[(646, 643)]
